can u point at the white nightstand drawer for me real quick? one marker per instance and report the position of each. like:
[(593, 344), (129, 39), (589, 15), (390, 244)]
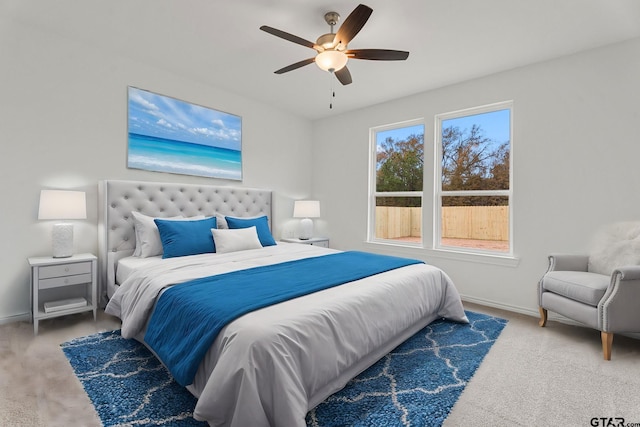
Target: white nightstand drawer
[(46, 272), (55, 282)]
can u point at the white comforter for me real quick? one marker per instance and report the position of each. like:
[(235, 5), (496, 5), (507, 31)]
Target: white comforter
[(269, 367)]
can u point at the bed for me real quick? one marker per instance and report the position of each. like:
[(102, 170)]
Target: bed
[(269, 366)]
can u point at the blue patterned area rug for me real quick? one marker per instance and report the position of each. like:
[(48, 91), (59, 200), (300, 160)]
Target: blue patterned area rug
[(127, 384), (414, 385), (418, 382)]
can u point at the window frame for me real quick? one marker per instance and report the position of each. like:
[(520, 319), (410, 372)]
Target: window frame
[(438, 193), (373, 194)]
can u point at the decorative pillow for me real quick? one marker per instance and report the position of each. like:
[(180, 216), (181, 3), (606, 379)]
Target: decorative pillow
[(614, 246), (182, 238), (262, 226), (222, 223), (239, 239), (147, 237)]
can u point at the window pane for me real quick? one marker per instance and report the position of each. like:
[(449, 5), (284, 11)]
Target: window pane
[(399, 218), (398, 167), (475, 152), (478, 222), (400, 159)]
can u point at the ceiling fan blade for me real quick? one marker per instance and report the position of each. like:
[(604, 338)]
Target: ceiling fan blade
[(377, 54), (352, 25), (291, 37), (344, 76), (295, 66)]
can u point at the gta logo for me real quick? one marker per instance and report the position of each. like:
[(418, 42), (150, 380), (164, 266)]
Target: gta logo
[(607, 422)]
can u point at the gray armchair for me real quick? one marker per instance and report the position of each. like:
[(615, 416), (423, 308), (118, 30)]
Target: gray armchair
[(608, 303)]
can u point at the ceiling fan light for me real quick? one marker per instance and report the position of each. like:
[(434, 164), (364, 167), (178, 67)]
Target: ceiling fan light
[(331, 60)]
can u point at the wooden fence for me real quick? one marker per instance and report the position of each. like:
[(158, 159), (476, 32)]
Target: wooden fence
[(458, 222)]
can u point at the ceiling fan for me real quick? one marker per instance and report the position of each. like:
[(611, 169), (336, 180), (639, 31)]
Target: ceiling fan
[(332, 53)]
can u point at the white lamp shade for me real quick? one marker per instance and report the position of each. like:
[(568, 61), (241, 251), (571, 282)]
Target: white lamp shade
[(306, 209), (61, 204)]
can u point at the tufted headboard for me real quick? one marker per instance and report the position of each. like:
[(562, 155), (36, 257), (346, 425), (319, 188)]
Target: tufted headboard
[(117, 199)]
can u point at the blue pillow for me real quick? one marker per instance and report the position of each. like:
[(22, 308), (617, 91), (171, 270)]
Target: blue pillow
[(182, 238), (261, 224)]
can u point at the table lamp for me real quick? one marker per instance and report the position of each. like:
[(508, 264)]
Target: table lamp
[(62, 205), (306, 209)]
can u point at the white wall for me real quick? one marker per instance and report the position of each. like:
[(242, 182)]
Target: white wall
[(63, 124), (575, 156)]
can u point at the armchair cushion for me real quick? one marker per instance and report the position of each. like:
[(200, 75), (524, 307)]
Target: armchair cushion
[(587, 288)]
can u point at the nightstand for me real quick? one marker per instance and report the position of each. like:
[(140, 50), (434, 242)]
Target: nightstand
[(315, 241), (61, 286)]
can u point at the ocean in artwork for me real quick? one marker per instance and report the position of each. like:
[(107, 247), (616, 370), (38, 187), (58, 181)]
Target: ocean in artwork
[(165, 155)]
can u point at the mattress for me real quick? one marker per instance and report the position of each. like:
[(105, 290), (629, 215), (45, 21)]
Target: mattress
[(128, 265), (270, 366)]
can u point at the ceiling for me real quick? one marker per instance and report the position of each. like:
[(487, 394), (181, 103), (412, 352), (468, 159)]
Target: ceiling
[(219, 42)]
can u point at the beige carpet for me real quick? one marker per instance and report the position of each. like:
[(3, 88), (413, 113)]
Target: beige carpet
[(531, 376), (552, 376), (37, 384)]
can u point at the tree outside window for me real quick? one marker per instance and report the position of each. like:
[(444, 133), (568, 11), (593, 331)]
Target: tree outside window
[(472, 196), (474, 191), (398, 188)]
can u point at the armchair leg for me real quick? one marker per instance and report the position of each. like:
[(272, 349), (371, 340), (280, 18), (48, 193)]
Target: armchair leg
[(607, 342), (543, 317)]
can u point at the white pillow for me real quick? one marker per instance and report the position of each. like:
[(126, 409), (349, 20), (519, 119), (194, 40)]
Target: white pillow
[(232, 240), (148, 242)]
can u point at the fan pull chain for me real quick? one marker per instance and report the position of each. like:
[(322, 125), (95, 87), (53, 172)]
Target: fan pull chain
[(331, 91)]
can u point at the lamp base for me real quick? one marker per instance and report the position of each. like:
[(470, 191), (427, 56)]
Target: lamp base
[(306, 229), (62, 240)]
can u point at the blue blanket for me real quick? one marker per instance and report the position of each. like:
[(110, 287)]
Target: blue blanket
[(189, 316)]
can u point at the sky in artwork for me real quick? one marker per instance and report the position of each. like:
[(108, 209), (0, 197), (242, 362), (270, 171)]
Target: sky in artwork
[(169, 118)]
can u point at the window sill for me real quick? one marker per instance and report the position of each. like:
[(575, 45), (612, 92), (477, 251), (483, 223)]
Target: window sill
[(482, 258), (458, 255)]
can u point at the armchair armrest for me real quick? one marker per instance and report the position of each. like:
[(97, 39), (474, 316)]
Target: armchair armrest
[(629, 272), (618, 309), (568, 262)]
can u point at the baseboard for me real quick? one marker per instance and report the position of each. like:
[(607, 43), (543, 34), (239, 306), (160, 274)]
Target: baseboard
[(521, 310), (505, 307), (25, 317)]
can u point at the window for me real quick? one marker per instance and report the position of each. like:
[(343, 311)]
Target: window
[(396, 183), (473, 183)]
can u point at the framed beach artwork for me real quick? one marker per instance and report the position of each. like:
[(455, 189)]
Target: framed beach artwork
[(169, 135)]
